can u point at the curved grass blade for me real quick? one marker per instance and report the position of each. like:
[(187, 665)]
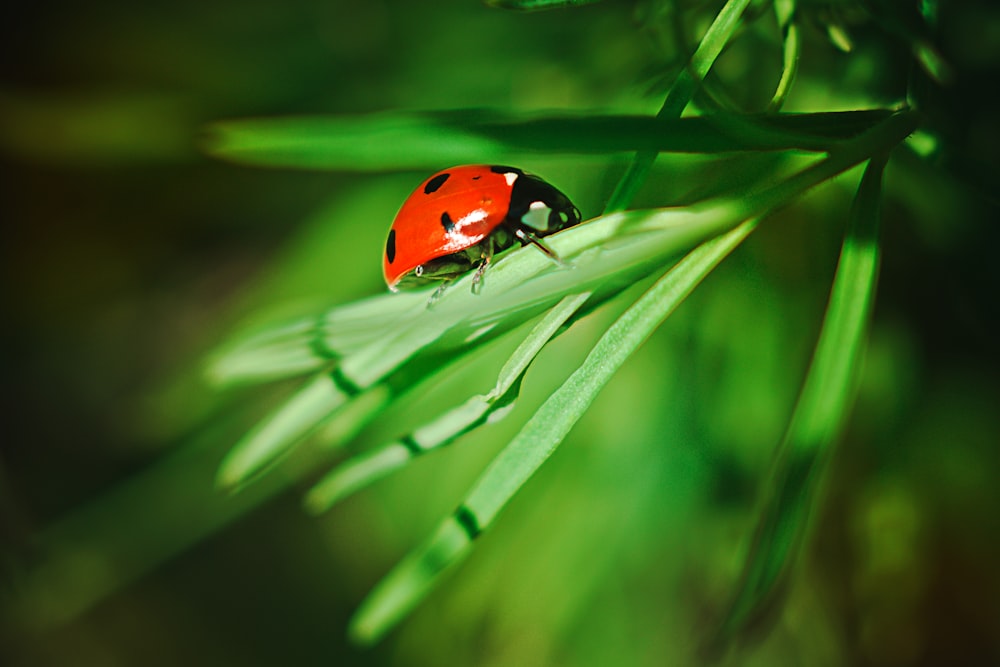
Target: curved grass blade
[(784, 11), (608, 248), (364, 469), (289, 423), (310, 343), (819, 414), (933, 62), (680, 93), (318, 399), (912, 24), (503, 301), (414, 577), (372, 143), (613, 249), (354, 143), (607, 256)]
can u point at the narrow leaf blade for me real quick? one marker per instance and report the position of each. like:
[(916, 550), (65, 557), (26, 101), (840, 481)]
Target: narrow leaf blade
[(414, 577), (359, 471), (819, 414), (275, 435), (383, 141)]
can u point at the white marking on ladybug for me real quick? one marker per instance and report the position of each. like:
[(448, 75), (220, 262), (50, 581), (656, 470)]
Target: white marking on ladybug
[(510, 177), (537, 216), (471, 218)]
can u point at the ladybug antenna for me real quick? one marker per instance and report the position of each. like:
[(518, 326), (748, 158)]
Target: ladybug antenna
[(525, 237)]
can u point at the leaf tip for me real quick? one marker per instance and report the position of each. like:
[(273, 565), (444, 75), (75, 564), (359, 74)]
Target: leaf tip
[(315, 503), (361, 631), (229, 476)]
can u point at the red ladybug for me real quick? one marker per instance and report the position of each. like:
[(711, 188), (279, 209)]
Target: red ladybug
[(459, 217)]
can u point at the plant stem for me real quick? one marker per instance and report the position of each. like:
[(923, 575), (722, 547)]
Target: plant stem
[(678, 96)]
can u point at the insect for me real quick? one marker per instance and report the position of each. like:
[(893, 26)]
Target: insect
[(458, 218)]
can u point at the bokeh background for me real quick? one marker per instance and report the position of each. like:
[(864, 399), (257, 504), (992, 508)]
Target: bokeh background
[(128, 255)]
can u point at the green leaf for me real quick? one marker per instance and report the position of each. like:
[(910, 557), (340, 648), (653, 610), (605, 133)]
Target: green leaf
[(414, 577), (309, 343), (784, 11), (610, 249), (365, 468), (382, 342), (912, 25), (678, 97), (839, 38), (298, 416), (518, 286), (393, 141), (819, 414), (598, 250)]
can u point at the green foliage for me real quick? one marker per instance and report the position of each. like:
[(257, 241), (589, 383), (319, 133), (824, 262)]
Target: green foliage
[(405, 141), (820, 412), (605, 255), (679, 349)]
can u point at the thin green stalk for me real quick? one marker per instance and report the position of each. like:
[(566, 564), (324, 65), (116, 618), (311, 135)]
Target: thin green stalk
[(784, 11), (819, 414), (679, 96), (521, 281), (880, 139), (365, 468), (411, 580)]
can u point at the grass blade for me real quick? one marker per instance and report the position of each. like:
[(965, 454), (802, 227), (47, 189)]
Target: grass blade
[(608, 253), (376, 142), (413, 578), (784, 11), (506, 297), (819, 413), (364, 469), (680, 93), (273, 436), (310, 343)]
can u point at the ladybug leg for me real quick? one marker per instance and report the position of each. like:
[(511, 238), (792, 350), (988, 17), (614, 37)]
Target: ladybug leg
[(437, 293), (486, 254), (477, 280), (526, 237)]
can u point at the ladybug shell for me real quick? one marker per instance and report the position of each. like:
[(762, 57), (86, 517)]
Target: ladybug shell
[(456, 209), (452, 210)]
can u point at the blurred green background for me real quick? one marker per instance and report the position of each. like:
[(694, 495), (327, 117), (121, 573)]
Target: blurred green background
[(128, 255)]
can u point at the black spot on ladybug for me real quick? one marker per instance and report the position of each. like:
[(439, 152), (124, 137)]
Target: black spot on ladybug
[(435, 183), (447, 223), (476, 177), (390, 246)]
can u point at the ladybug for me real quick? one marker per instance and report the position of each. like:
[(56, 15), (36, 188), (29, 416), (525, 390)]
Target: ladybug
[(458, 218)]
